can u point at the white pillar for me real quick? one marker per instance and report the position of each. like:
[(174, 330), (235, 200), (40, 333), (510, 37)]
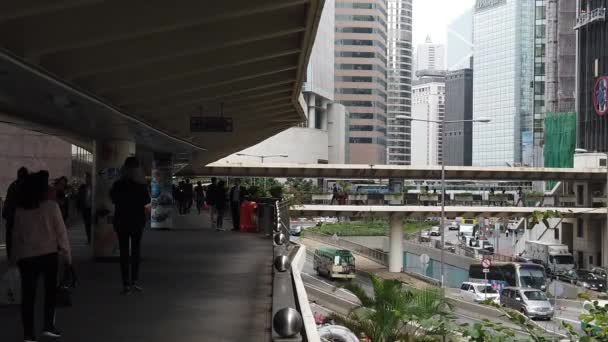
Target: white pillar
[(395, 257), (161, 192), (109, 158), (312, 110)]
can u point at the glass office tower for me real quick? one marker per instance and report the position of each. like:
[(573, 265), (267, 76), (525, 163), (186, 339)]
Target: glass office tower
[(503, 82)]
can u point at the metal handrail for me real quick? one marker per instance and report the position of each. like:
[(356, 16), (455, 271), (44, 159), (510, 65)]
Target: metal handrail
[(287, 321)]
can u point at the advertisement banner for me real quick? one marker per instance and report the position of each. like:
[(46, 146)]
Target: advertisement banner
[(161, 194), (599, 96)]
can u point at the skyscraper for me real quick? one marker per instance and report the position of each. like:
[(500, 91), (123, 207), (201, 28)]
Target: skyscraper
[(503, 80), (399, 67), (540, 40), (430, 56), (460, 42), (428, 103), (360, 76), (592, 76), (458, 107)]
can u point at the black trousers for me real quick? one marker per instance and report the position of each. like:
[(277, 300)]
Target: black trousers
[(86, 217), (235, 208), (129, 241), (9, 240), (220, 217), (31, 269)]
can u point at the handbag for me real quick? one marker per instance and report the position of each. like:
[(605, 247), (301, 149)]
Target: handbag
[(10, 287), (66, 286)]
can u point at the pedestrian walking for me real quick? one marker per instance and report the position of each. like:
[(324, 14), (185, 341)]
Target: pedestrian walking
[(181, 197), (199, 194), (85, 203), (188, 195), (130, 197), (237, 196), (219, 201), (520, 197), (211, 199), (61, 186), (39, 237), (10, 205), (335, 194)]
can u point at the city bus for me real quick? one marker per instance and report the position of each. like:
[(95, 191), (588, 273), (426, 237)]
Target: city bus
[(334, 263), (514, 274)]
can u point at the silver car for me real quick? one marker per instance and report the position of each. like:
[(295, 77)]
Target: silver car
[(530, 302)]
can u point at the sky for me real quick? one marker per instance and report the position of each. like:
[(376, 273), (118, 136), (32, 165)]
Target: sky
[(431, 17)]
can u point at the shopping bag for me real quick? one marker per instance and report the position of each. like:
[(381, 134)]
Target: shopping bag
[(10, 287)]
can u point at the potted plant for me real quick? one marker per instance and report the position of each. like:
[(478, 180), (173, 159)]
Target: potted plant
[(428, 197), (569, 197), (463, 197), (394, 197), (357, 197), (532, 197), (322, 196)]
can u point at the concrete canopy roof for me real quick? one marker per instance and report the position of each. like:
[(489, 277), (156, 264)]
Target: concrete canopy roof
[(91, 66), (352, 171)]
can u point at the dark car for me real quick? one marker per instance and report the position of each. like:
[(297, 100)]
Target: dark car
[(600, 272), (582, 278)]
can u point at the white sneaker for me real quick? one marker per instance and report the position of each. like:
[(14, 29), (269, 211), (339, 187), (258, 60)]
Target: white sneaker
[(53, 333)]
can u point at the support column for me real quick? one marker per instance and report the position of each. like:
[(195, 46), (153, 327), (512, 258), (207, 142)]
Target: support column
[(162, 192), (312, 110), (395, 257), (109, 158)]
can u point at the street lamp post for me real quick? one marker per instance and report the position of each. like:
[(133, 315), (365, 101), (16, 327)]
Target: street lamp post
[(262, 157), (443, 123)]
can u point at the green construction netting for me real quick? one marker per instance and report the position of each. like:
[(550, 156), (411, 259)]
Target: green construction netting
[(560, 140)]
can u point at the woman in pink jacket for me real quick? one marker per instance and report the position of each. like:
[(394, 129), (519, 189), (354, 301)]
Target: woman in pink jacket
[(39, 236)]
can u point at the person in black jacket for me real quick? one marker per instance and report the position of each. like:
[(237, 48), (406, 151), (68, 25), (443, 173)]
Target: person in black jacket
[(219, 201), (237, 196), (130, 195), (10, 206)]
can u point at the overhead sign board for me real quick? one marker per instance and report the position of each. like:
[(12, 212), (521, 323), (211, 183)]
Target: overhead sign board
[(481, 5), (199, 124)]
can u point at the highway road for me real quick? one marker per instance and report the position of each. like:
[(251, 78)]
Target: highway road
[(326, 297)]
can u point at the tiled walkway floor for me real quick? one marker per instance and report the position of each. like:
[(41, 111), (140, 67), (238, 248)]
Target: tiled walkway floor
[(199, 285)]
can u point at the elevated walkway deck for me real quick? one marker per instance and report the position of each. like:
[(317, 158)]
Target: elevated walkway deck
[(199, 285), (421, 211)]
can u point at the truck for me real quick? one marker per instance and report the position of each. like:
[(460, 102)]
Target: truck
[(467, 230), (554, 256)]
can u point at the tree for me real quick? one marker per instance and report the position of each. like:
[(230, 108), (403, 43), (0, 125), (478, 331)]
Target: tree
[(396, 314), (538, 217)]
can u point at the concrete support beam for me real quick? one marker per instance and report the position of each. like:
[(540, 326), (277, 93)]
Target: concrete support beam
[(169, 45), (395, 261), (200, 82), (10, 10), (103, 23), (187, 65), (281, 81)]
